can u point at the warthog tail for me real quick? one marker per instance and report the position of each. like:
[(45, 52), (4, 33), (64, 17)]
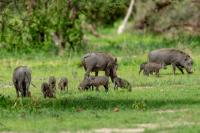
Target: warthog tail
[(33, 85)]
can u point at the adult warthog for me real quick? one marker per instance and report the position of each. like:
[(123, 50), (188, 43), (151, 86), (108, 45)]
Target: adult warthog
[(21, 80), (98, 61), (174, 57)]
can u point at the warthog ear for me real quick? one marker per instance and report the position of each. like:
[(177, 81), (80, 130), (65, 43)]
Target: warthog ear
[(187, 57)]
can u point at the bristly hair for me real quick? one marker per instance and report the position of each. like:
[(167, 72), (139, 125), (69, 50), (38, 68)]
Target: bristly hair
[(179, 51)]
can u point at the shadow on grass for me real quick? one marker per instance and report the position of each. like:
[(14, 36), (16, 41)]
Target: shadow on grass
[(177, 74), (94, 103)]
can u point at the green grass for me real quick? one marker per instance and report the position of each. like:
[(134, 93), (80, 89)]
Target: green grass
[(134, 43), (159, 101), (169, 103)]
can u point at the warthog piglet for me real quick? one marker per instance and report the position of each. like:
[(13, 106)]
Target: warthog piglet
[(122, 83)]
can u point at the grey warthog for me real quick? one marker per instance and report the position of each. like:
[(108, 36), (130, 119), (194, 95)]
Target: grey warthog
[(174, 57), (98, 61), (96, 81), (122, 83), (52, 83), (63, 83), (152, 67), (21, 80), (85, 84), (46, 90)]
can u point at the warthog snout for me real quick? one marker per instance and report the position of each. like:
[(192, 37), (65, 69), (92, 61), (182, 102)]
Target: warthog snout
[(189, 69)]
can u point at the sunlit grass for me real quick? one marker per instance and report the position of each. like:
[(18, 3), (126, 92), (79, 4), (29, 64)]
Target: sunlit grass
[(77, 111), (163, 101)]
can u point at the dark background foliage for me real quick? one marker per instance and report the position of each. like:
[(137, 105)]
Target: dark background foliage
[(59, 25)]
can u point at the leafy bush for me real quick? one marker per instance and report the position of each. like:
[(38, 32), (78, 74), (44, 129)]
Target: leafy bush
[(104, 12), (28, 25)]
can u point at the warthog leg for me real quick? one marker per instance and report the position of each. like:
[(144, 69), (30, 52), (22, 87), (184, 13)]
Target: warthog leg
[(106, 88), (97, 88), (174, 68), (157, 73), (140, 71), (16, 88), (115, 86), (96, 73), (180, 68), (67, 87), (17, 92)]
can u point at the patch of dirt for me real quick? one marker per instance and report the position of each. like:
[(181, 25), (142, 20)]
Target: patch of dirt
[(119, 130), (166, 125), (181, 123), (145, 87), (171, 111), (6, 85), (8, 132), (139, 128), (148, 125)]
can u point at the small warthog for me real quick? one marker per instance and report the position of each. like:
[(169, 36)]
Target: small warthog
[(122, 83), (52, 83), (96, 81), (98, 61), (152, 67), (46, 90), (174, 57), (63, 83), (85, 84), (142, 66), (21, 80)]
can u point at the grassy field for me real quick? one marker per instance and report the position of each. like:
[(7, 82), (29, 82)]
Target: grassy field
[(170, 103)]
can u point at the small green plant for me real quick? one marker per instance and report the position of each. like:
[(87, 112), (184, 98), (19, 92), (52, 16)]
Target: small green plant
[(139, 105)]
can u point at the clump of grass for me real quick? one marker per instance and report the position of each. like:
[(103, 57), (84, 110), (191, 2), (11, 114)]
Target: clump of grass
[(5, 101)]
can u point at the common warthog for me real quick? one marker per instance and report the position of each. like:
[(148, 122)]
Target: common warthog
[(52, 83), (98, 61), (63, 83), (151, 67), (21, 80), (98, 81), (85, 84), (122, 83), (176, 58), (46, 90), (142, 66)]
